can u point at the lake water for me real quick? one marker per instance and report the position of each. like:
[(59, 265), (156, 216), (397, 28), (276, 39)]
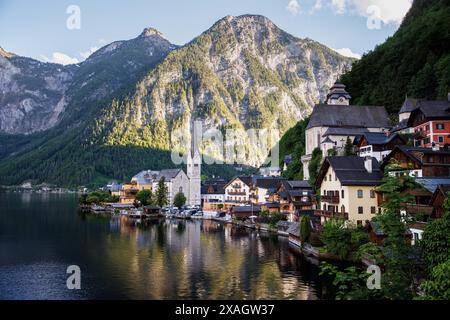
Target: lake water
[(41, 235)]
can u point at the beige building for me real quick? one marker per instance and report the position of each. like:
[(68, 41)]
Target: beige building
[(348, 187), (333, 123), (238, 190)]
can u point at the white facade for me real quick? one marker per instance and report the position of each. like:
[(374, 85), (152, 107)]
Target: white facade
[(194, 167), (180, 183), (237, 191), (367, 151)]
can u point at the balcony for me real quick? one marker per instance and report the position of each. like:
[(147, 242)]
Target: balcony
[(237, 193), (331, 214), (330, 199), (236, 186), (419, 209)]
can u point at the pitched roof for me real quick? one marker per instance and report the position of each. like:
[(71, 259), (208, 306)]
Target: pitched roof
[(299, 184), (244, 209), (168, 174), (413, 152), (402, 125), (267, 182), (349, 116), (432, 183), (218, 185), (337, 91), (351, 171), (409, 105), (432, 110), (379, 138), (344, 131), (245, 179), (148, 176)]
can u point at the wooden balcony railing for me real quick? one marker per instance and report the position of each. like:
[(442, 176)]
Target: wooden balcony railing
[(330, 199), (237, 193), (331, 214), (419, 208)]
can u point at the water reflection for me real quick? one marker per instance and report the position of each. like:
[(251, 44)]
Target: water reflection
[(154, 259)]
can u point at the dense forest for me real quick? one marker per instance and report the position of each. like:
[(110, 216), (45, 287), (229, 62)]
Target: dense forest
[(415, 61)]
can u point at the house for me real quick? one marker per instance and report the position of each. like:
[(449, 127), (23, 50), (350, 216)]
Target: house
[(271, 207), (262, 187), (175, 180), (438, 199), (431, 122), (409, 105), (294, 234), (114, 188), (418, 162), (296, 198), (270, 171), (377, 235), (377, 144), (332, 124), (213, 194), (245, 212), (417, 230), (237, 190), (128, 193), (348, 187)]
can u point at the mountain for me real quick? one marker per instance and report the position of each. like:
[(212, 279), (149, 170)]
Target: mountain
[(414, 61), (242, 73), (35, 94)]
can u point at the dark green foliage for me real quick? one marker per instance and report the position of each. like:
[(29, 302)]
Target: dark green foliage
[(293, 143), (145, 197), (179, 200), (161, 193), (351, 283), (305, 228), (271, 218), (98, 197), (436, 239), (337, 238), (348, 149), (314, 166), (437, 287), (415, 61)]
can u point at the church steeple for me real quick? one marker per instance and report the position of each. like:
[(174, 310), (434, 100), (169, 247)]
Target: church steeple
[(194, 162), (338, 95)]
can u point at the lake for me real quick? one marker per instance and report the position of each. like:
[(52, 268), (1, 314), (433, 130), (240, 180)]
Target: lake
[(42, 234)]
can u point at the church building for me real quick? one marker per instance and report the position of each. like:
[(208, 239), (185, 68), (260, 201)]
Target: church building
[(333, 123)]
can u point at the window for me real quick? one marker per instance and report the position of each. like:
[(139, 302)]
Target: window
[(359, 223), (330, 177), (342, 194), (360, 194), (440, 126), (325, 178), (360, 210), (372, 194), (373, 210), (441, 139), (379, 211)]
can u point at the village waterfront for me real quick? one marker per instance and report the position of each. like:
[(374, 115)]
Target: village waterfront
[(42, 234)]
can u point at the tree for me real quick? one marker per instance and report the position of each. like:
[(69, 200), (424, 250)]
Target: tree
[(337, 238), (348, 149), (436, 239), (398, 278), (179, 200), (438, 286), (305, 229), (314, 165), (161, 193), (145, 197)]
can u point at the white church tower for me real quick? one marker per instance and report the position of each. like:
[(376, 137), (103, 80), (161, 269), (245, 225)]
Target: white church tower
[(194, 167)]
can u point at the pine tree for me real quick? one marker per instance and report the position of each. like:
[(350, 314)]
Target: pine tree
[(161, 193)]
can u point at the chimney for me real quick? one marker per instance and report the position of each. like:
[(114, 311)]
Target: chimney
[(368, 164)]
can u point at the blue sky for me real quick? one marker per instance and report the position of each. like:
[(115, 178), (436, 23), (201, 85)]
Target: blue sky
[(38, 28)]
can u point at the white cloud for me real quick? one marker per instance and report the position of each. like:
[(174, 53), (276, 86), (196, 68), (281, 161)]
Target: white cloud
[(347, 52), (60, 58), (293, 7), (389, 12), (88, 53)]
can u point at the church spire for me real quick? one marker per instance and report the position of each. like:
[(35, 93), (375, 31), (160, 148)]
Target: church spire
[(338, 95)]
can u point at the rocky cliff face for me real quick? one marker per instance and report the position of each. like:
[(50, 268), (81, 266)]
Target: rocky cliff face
[(34, 95), (242, 73), (122, 106)]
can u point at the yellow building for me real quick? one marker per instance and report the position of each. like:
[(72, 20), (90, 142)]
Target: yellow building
[(128, 193), (347, 187)]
